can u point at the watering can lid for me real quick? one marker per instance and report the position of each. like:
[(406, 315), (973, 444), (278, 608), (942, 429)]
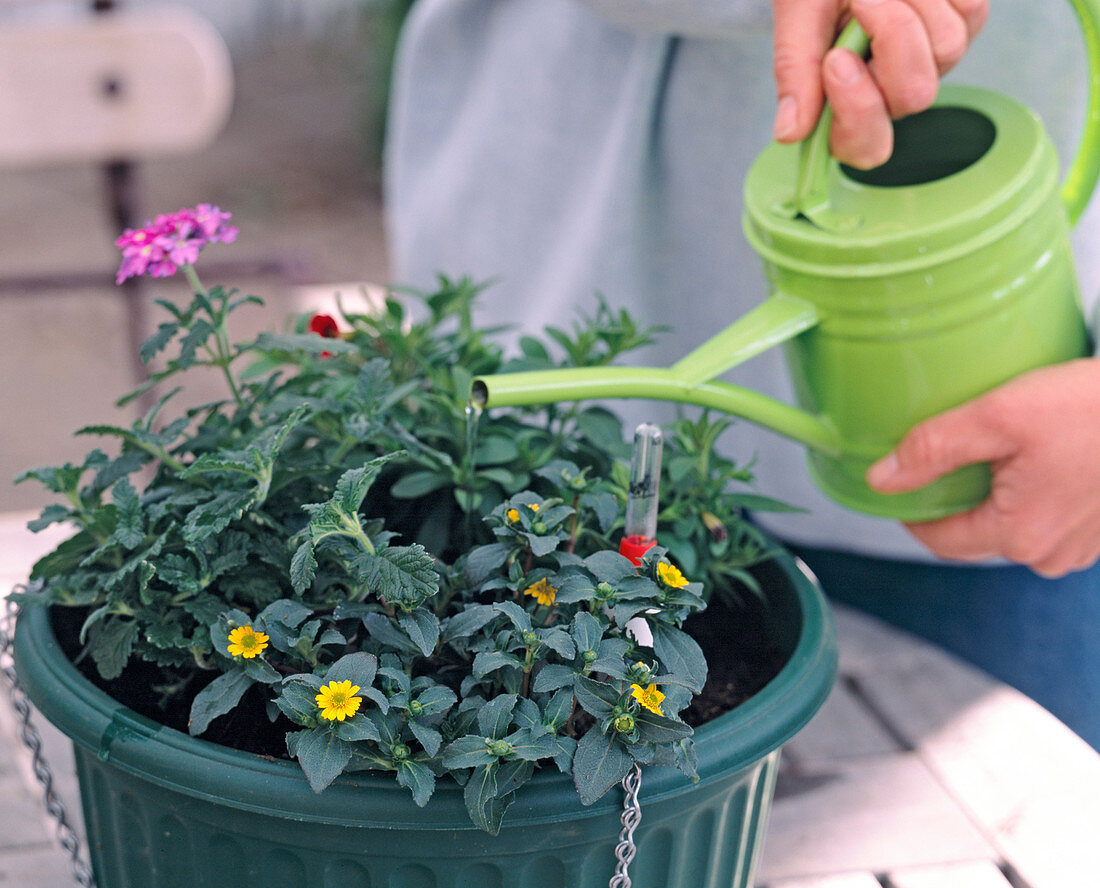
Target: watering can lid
[(975, 163)]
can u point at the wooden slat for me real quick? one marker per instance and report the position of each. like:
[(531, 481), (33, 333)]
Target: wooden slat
[(1031, 785), (974, 874), (844, 880), (130, 84), (842, 728), (869, 814)]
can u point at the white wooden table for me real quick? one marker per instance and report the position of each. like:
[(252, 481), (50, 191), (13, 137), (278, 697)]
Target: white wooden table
[(919, 772)]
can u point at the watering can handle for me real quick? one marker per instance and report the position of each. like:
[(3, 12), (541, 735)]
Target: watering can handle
[(811, 196)]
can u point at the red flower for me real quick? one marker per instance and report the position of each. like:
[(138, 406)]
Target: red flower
[(324, 326)]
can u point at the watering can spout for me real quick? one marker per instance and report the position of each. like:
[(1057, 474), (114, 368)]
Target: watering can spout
[(690, 380)]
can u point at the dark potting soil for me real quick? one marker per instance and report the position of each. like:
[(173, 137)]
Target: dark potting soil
[(741, 657)]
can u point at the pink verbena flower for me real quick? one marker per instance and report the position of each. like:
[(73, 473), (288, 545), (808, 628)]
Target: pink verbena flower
[(172, 240)]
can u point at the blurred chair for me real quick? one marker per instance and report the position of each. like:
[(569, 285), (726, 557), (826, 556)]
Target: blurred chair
[(110, 85)]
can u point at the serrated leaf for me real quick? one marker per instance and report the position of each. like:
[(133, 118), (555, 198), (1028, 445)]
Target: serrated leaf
[(403, 575), (303, 567), (598, 764), (214, 516), (111, 642), (352, 487), (217, 698), (129, 520), (157, 342), (322, 755)]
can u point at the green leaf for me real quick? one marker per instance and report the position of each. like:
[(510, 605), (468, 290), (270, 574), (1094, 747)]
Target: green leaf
[(214, 516), (484, 560), (158, 341), (609, 566), (427, 736), (358, 668), (358, 727), (680, 654), (418, 779), (403, 575), (297, 699), (552, 677), (495, 716), (353, 485), (658, 728), (468, 621), (382, 630), (467, 752), (598, 764), (596, 697), (303, 567), (587, 631), (322, 755), (480, 794), (217, 698), (130, 522), (111, 642), (436, 699), (486, 662), (422, 626), (417, 484), (532, 745)]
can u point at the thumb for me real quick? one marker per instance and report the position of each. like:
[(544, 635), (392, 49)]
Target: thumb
[(940, 445), (803, 34)]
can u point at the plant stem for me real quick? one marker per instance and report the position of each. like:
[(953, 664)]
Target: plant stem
[(223, 351)]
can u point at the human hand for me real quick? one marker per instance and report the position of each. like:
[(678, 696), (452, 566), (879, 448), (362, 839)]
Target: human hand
[(1040, 433), (913, 43)]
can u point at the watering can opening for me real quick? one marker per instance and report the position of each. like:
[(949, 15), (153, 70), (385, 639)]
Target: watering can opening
[(929, 146)]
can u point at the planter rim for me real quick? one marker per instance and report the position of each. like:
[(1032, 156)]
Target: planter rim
[(252, 783)]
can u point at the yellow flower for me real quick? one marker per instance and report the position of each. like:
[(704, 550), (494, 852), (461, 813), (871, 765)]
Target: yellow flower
[(542, 591), (337, 700), (650, 697), (670, 575), (513, 514), (244, 641)]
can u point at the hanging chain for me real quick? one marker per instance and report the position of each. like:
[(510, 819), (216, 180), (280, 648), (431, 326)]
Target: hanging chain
[(631, 817), (32, 740)]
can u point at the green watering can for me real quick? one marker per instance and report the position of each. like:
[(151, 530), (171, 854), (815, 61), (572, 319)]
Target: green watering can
[(897, 293)]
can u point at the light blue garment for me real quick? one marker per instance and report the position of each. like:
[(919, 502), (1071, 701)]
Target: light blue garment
[(563, 148)]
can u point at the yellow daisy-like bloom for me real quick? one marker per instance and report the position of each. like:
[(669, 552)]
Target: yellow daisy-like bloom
[(244, 641), (513, 514), (650, 697), (337, 700), (542, 591), (670, 575)]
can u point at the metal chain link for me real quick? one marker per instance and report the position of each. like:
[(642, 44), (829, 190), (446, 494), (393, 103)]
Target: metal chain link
[(631, 817), (32, 740)]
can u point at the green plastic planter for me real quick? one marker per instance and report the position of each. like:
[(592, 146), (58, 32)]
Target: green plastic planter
[(163, 809)]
